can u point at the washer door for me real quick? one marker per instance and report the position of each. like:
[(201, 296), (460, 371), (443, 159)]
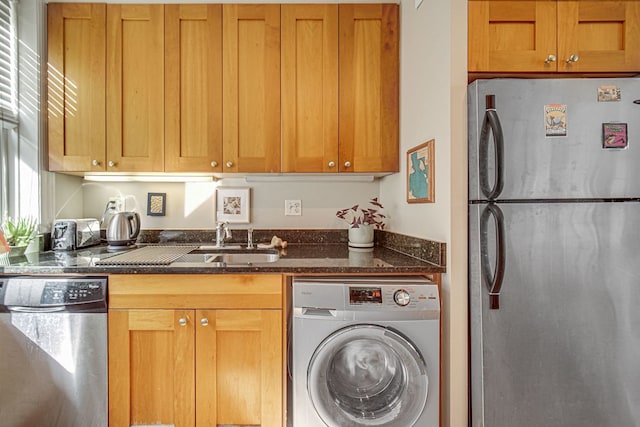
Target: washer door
[(367, 375)]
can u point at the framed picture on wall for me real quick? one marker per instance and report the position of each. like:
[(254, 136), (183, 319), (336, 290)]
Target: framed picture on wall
[(420, 173), (156, 204), (233, 204)]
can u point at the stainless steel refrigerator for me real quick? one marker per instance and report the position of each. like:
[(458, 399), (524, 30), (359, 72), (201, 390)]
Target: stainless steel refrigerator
[(554, 252)]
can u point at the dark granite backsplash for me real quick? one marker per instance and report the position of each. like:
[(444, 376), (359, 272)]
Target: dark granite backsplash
[(427, 250)]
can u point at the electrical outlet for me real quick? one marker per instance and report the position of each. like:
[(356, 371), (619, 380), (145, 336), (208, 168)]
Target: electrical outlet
[(118, 202), (293, 207)]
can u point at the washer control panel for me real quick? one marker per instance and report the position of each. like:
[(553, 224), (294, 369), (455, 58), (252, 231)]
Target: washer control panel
[(366, 298), (405, 296)]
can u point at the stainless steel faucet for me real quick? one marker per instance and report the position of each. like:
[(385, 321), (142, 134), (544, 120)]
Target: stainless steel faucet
[(250, 238), (222, 232)]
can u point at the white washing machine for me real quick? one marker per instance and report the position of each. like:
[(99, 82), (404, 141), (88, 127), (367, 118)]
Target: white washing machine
[(365, 351)]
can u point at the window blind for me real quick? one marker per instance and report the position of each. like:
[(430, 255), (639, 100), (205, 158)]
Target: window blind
[(8, 92)]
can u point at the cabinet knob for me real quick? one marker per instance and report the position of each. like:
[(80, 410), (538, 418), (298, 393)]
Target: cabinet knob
[(94, 162), (214, 164), (111, 163), (550, 58), (332, 164), (204, 321), (229, 164), (347, 164), (182, 321), (572, 58)]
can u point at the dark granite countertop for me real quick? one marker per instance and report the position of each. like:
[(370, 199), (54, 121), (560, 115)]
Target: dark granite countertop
[(327, 256)]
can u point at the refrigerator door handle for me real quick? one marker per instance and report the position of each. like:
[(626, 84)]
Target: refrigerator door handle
[(491, 126), (492, 277)]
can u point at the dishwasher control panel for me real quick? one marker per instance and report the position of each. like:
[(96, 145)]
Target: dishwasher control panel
[(65, 293), (56, 292)]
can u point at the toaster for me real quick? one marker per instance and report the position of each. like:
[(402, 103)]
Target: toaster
[(71, 234)]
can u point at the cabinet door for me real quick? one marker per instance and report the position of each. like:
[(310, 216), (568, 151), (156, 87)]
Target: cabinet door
[(251, 88), (151, 367), (239, 365), (368, 97), (76, 86), (135, 88), (309, 88), (512, 35), (604, 35), (193, 97)]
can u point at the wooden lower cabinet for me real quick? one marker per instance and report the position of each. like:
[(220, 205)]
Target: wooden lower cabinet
[(195, 366)]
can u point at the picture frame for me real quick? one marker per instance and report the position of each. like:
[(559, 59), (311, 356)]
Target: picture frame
[(233, 204), (156, 204), (420, 173)]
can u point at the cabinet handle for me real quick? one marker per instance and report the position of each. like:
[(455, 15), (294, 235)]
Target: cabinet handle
[(111, 163), (572, 58), (550, 58), (204, 321), (182, 321), (95, 163), (347, 164), (332, 164), (229, 164), (214, 164)]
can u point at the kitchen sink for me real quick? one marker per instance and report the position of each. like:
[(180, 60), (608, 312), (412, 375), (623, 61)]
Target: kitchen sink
[(249, 258), (226, 257)]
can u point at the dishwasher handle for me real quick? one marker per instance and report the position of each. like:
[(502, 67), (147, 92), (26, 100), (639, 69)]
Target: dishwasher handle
[(23, 309)]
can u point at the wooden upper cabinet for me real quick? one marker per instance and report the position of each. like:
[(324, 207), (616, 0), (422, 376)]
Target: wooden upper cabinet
[(76, 86), (135, 87), (309, 87), (193, 85), (603, 35), (512, 35), (369, 84), (251, 87), (554, 36), (205, 87)]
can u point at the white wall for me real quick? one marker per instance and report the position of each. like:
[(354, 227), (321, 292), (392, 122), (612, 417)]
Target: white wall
[(433, 106), (192, 205)]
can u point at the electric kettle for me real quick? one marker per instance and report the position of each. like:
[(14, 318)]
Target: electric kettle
[(123, 229)]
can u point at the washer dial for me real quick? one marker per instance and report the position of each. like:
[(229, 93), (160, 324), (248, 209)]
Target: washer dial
[(401, 297)]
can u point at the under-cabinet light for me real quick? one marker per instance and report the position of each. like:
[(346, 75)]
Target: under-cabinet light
[(309, 178), (162, 177)]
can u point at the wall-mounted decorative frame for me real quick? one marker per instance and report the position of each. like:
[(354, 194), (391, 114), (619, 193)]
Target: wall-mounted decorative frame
[(156, 204), (420, 173), (233, 204)]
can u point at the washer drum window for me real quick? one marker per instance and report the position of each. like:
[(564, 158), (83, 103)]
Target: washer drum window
[(367, 375)]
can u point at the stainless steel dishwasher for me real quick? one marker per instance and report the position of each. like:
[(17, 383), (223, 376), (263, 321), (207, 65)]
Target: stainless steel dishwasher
[(53, 351)]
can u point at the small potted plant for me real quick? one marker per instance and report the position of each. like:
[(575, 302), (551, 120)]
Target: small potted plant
[(362, 222), (19, 234)]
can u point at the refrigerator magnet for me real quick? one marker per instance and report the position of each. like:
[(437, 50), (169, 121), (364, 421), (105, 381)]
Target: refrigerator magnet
[(608, 93), (614, 135), (555, 120)]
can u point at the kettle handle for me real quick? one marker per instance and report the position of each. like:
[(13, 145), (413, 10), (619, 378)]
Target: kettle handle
[(109, 208), (134, 219)]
